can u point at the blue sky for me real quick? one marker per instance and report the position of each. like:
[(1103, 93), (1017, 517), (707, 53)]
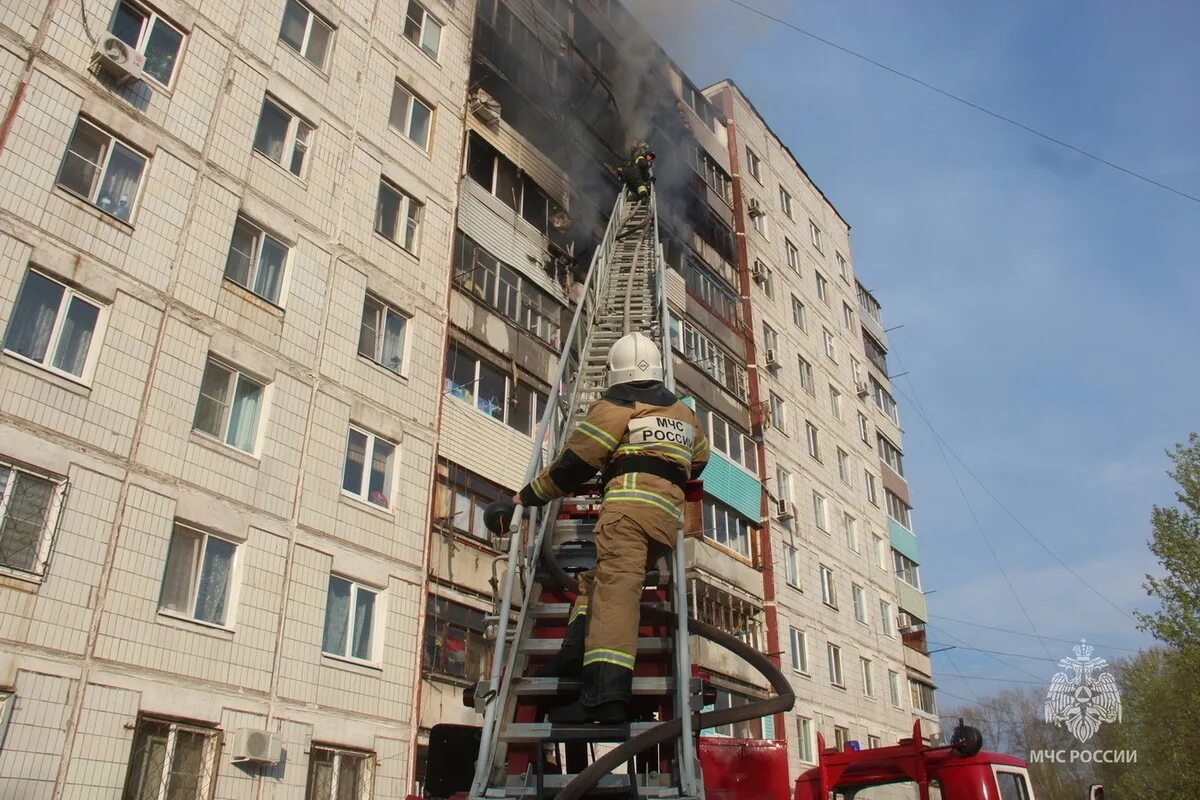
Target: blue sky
[(1048, 302)]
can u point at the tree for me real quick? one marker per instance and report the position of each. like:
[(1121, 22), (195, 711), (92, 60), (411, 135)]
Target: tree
[(1176, 544)]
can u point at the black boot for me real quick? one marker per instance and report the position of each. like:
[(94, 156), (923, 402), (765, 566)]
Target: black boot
[(607, 689), (568, 661)]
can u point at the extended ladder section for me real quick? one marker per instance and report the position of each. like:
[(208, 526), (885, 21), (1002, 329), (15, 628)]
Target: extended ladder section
[(520, 754)]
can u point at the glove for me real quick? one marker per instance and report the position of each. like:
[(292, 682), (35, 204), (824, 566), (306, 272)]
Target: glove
[(498, 515)]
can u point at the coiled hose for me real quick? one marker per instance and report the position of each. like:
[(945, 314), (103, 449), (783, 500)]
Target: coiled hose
[(783, 701)]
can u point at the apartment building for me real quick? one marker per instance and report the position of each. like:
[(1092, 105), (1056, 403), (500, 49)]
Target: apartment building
[(843, 557), (225, 242), (283, 288)]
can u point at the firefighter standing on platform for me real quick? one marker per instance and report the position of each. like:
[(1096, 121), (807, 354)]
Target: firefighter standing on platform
[(636, 172), (647, 445)]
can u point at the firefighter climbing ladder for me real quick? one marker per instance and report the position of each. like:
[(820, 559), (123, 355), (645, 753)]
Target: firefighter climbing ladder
[(624, 291)]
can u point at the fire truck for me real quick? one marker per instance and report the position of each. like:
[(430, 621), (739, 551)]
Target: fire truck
[(659, 755)]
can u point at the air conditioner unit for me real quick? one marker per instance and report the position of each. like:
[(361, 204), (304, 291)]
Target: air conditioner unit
[(486, 107), (755, 210), (863, 390), (771, 360), (120, 62), (761, 272), (256, 745), (783, 509)]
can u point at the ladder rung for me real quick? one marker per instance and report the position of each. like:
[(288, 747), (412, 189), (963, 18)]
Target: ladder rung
[(550, 687), (645, 644), (609, 784), (531, 732)]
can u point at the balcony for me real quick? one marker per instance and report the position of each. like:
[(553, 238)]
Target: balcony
[(911, 599), (872, 320), (916, 653)]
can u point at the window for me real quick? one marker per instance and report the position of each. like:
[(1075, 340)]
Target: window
[(29, 508), (422, 29), (828, 591), (198, 577), (785, 201), (864, 428), (830, 344), (282, 136), (799, 650), (1013, 785), (754, 165), (479, 273), (875, 352), (102, 169), (770, 338), (840, 737), (704, 353), (306, 33), (724, 437), (843, 266), (778, 413), (894, 687), (898, 510), (397, 215), (860, 602), (814, 440), (885, 402), (798, 317), (349, 620), (455, 645), (835, 401), (806, 375), (152, 36), (367, 472), (749, 729), (715, 177), (835, 668), (792, 254), (880, 550), (229, 406), (172, 760), (493, 391), (506, 182), (847, 317), (465, 497), (382, 335), (764, 278), (791, 565), (850, 525), (890, 454), (814, 235), (256, 260), (872, 488), (726, 527), (906, 569), (411, 115), (804, 735), (872, 742), (335, 773), (53, 326), (758, 218), (843, 462), (922, 696), (711, 291), (868, 676), (886, 625), (783, 484), (820, 513), (822, 286)]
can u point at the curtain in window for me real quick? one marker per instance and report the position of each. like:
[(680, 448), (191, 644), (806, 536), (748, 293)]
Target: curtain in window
[(271, 261), (337, 616), (24, 522), (364, 620), (379, 488), (76, 337), (118, 189), (392, 356), (212, 594), (243, 416), (32, 322)]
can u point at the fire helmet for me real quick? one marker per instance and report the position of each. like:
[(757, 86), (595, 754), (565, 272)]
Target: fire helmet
[(634, 357)]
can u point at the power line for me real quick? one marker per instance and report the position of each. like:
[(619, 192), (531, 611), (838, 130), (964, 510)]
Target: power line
[(968, 103), (1034, 636), (995, 658), (990, 678), (995, 652)]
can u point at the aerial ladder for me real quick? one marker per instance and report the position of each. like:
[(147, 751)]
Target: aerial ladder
[(519, 755)]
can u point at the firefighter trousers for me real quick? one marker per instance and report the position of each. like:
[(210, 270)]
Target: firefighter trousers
[(611, 597)]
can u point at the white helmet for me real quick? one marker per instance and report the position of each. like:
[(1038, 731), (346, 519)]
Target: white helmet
[(634, 357)]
